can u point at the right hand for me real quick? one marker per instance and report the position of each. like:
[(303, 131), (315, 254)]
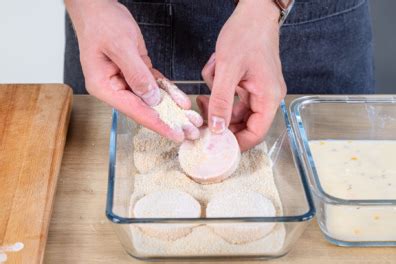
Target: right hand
[(116, 65), (254, 72)]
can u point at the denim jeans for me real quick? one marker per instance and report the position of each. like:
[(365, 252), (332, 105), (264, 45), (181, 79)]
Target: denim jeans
[(325, 45)]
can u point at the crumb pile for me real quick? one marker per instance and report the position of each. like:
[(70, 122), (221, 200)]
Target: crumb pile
[(170, 112), (158, 169)]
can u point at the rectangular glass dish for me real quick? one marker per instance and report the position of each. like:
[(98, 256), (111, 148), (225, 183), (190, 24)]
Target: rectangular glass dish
[(348, 146), (294, 214)]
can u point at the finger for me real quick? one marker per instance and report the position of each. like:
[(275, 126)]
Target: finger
[(175, 93), (141, 46), (250, 136), (104, 80), (257, 126), (195, 118), (235, 128), (146, 59), (243, 95), (129, 104), (118, 83), (97, 69), (163, 82), (156, 73), (190, 131), (239, 112), (209, 70), (203, 104), (135, 71), (222, 97)]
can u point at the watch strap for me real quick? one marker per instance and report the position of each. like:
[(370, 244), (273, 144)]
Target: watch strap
[(285, 7)]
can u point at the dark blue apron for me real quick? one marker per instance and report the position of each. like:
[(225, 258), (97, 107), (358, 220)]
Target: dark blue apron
[(326, 45)]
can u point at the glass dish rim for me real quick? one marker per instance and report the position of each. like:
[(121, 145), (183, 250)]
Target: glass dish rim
[(303, 146), (113, 217)]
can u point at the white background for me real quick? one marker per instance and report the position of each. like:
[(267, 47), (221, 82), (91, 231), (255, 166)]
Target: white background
[(32, 41)]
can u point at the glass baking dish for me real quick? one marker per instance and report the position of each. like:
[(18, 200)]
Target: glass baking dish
[(353, 194), (295, 213)]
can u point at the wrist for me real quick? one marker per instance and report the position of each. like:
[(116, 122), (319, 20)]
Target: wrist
[(265, 8), (80, 11), (73, 4)]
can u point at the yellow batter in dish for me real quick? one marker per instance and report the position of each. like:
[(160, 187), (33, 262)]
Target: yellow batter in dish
[(358, 170)]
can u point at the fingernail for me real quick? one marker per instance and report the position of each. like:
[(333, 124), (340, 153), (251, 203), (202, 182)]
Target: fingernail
[(191, 132), (217, 125), (152, 97)]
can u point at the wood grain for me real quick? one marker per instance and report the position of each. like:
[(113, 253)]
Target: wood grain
[(80, 233), (33, 125)]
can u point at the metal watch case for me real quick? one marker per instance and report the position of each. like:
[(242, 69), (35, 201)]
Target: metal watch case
[(285, 6)]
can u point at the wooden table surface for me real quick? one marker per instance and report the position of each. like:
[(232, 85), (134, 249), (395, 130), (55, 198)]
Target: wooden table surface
[(80, 232), (33, 124)]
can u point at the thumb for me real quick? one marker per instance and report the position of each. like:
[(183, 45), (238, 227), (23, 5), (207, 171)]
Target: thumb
[(136, 73), (221, 100)]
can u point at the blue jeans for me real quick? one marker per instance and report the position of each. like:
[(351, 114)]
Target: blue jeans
[(325, 45)]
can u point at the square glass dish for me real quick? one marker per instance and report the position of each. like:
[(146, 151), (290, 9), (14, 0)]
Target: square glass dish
[(348, 146), (294, 207)]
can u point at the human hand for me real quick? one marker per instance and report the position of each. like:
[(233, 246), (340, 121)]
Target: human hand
[(246, 61), (117, 68)]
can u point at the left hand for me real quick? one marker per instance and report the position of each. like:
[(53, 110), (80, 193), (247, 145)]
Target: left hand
[(118, 70), (246, 62)]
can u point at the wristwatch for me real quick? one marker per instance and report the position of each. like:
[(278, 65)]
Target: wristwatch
[(285, 7)]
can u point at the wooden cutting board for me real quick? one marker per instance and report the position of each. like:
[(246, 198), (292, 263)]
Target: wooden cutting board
[(33, 126)]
